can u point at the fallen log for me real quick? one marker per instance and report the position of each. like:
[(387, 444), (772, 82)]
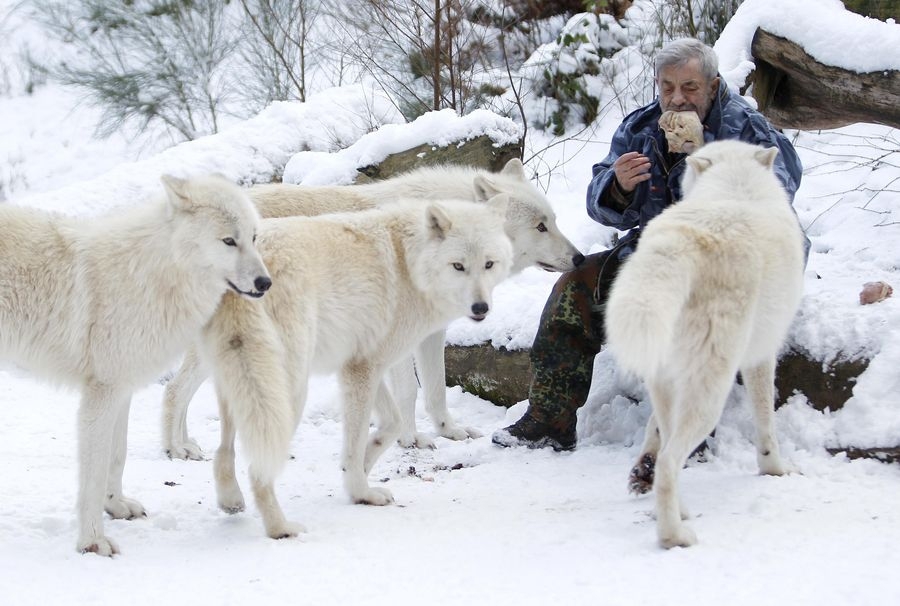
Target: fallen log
[(794, 90)]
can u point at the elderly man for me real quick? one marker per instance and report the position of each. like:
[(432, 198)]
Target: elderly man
[(634, 183)]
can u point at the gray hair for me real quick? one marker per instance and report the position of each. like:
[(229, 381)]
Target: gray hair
[(680, 51)]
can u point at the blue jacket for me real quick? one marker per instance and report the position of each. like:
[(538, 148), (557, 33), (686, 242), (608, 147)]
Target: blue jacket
[(730, 117)]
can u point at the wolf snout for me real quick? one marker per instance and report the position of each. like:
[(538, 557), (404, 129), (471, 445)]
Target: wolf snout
[(262, 283), (479, 311), (561, 264)]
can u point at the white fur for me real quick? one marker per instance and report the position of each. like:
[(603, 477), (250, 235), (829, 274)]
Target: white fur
[(530, 224), (711, 290), (106, 304), (352, 294)]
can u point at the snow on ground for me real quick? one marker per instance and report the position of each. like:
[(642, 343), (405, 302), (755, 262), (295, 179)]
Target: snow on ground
[(473, 523)]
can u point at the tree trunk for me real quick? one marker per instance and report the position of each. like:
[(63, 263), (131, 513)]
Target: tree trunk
[(436, 57), (794, 90)]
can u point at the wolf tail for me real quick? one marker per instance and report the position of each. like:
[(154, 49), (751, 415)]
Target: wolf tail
[(253, 391), (265, 424), (643, 307)]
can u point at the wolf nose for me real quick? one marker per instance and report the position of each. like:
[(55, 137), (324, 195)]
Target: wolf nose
[(262, 283), (480, 308), (578, 259)]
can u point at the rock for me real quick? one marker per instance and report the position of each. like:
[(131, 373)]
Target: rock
[(480, 152), (502, 376), (497, 375), (885, 455), (824, 385)]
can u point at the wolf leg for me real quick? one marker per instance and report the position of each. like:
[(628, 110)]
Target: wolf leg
[(97, 417), (228, 493), (430, 361), (117, 505), (640, 479), (359, 383), (760, 382), (696, 408), (388, 426), (277, 527), (179, 391), (404, 387)]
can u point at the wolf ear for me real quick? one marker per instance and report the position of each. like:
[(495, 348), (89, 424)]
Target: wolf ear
[(176, 191), (514, 168), (499, 203), (438, 221), (484, 188), (766, 157), (698, 164)]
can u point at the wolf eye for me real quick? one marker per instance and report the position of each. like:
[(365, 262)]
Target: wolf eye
[(541, 227), (229, 241), (489, 265), (254, 238), (459, 267)]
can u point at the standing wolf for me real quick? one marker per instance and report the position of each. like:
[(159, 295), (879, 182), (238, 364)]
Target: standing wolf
[(353, 294), (711, 290), (106, 304), (530, 224)]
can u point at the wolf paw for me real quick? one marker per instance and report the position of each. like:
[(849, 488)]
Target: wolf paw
[(416, 440), (773, 467), (99, 545), (459, 433), (640, 479), (682, 536), (287, 530), (374, 495), (121, 508), (232, 506), (188, 451)]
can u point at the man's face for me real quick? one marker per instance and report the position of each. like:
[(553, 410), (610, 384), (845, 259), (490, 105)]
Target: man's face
[(683, 88)]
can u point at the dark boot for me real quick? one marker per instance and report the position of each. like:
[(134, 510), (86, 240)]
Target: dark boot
[(534, 434)]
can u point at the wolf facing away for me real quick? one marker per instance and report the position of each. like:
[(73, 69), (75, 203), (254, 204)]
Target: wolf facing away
[(711, 290), (352, 294), (530, 224), (106, 304)]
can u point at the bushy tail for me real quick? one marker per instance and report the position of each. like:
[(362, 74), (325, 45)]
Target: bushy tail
[(252, 385), (265, 423), (643, 307)]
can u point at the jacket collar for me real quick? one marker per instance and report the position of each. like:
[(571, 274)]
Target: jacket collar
[(714, 119)]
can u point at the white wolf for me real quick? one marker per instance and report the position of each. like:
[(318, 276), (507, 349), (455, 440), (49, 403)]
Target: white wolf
[(530, 224), (106, 304), (353, 294), (711, 290)]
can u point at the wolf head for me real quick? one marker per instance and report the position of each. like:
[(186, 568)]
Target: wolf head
[(215, 221), (740, 158), (461, 254), (530, 221)]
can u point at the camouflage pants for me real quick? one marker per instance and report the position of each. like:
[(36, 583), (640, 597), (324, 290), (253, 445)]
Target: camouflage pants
[(570, 334)]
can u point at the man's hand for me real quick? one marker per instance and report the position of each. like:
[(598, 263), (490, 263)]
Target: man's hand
[(631, 168)]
